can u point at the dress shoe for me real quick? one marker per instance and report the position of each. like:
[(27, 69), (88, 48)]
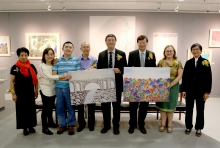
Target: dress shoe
[(187, 131), (143, 130), (91, 128), (104, 130), (71, 130), (79, 129), (47, 132), (61, 130), (25, 132), (32, 130), (53, 125), (116, 131), (198, 133), (131, 130)]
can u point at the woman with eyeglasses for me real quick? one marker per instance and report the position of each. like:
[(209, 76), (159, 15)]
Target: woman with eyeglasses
[(167, 108)]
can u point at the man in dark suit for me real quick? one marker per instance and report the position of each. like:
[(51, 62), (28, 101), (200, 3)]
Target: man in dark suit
[(115, 59), (196, 86), (140, 58)]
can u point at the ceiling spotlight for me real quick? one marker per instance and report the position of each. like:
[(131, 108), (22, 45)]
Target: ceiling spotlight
[(219, 11), (177, 8), (64, 8), (158, 8)]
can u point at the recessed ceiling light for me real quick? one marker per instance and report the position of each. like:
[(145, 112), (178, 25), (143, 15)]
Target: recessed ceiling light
[(181, 0)]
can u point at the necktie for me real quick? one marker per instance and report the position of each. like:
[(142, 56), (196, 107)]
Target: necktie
[(110, 60), (142, 60)]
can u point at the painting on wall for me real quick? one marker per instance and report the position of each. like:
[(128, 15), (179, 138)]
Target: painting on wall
[(206, 53), (123, 27), (144, 84), (37, 42), (5, 46), (161, 40), (92, 86), (214, 38)]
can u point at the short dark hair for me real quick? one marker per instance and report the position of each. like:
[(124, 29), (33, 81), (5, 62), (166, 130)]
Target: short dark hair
[(22, 49), (67, 42), (46, 52), (142, 37), (110, 35), (196, 44)]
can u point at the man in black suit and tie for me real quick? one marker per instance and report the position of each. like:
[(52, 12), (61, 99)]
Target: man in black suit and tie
[(140, 58), (196, 86), (115, 59)]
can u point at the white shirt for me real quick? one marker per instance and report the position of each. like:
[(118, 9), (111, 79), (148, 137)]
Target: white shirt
[(196, 59), (47, 80), (113, 57)]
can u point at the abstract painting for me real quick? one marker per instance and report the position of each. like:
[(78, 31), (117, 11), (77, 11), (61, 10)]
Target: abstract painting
[(5, 46), (92, 86), (214, 38), (143, 84), (37, 42)]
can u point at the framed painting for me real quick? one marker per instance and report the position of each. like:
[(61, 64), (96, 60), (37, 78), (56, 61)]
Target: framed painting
[(37, 42), (214, 38), (206, 53), (5, 46)]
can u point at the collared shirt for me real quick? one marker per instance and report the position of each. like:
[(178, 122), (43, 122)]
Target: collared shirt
[(84, 64), (142, 52), (64, 66), (113, 57), (196, 59)]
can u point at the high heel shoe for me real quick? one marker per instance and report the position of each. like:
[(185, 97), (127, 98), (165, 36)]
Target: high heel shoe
[(161, 129), (169, 130)]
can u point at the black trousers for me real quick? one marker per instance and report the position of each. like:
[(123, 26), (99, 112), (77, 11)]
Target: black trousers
[(106, 111), (47, 112), (200, 105), (143, 106), (91, 115)]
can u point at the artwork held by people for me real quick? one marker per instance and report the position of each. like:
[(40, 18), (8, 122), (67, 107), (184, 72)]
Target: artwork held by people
[(92, 86), (144, 84), (37, 42)]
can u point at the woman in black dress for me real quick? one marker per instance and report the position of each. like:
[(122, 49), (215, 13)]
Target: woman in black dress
[(24, 89)]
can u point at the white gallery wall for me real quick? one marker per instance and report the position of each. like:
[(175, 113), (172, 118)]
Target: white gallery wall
[(75, 27)]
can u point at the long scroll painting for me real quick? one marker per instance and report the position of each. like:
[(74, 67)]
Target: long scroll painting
[(92, 86), (143, 84)]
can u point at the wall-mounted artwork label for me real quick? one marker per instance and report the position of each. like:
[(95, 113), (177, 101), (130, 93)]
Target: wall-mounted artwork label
[(92, 86), (5, 46), (37, 42)]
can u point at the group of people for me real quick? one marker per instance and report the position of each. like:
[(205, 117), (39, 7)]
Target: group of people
[(53, 83)]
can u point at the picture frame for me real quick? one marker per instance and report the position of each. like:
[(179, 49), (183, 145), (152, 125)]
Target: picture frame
[(5, 48), (214, 38), (38, 42), (206, 53)]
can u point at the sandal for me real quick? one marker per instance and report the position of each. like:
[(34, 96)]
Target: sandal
[(161, 129), (169, 130)]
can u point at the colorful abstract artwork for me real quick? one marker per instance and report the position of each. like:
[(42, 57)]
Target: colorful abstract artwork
[(92, 86), (214, 38), (5, 46), (142, 84), (37, 42)]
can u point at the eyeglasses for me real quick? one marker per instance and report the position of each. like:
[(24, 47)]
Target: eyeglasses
[(167, 51)]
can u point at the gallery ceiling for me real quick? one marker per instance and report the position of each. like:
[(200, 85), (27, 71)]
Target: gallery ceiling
[(185, 6)]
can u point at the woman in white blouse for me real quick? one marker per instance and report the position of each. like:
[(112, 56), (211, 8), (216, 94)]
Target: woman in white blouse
[(47, 89)]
